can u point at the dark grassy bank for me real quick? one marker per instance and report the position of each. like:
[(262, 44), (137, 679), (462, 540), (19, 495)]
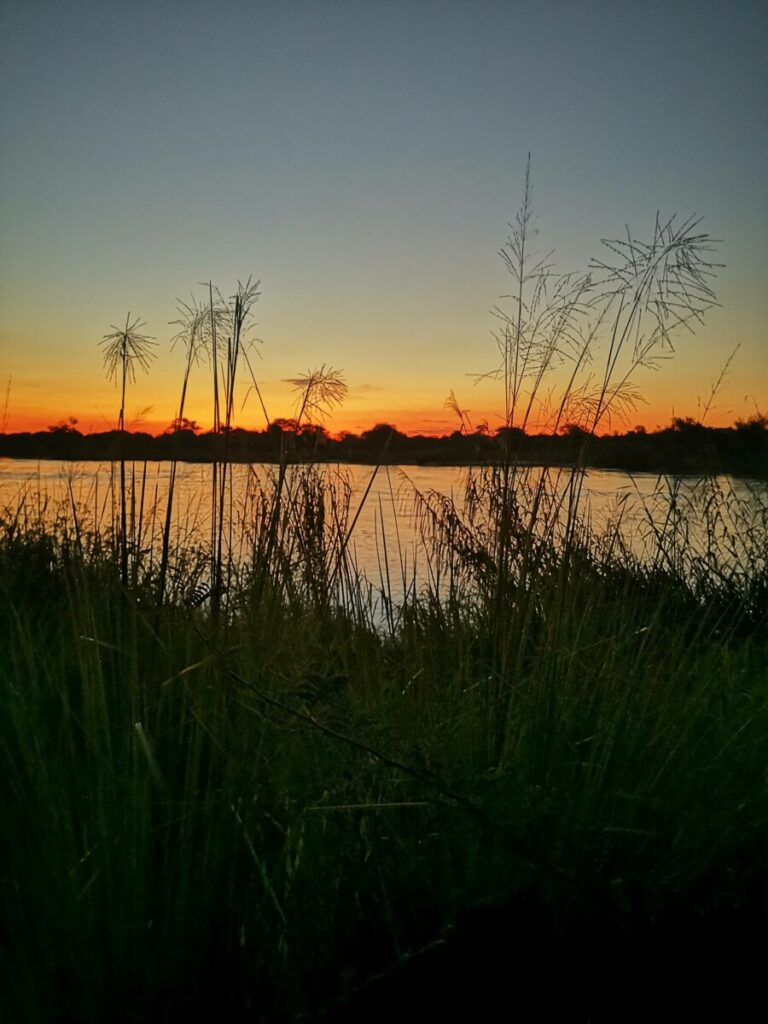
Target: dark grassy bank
[(541, 780)]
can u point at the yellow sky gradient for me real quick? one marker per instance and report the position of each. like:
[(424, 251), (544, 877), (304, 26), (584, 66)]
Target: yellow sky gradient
[(402, 374), (44, 386)]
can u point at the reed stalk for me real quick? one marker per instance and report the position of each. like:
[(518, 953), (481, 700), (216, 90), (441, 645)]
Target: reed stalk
[(125, 349)]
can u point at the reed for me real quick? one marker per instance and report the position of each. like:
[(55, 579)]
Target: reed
[(125, 349)]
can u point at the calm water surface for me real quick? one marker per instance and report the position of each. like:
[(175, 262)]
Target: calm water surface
[(388, 525)]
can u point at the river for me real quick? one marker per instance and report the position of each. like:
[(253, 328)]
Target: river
[(724, 520)]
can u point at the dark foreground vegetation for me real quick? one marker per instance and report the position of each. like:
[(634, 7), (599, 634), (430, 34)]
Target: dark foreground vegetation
[(685, 447), (539, 779)]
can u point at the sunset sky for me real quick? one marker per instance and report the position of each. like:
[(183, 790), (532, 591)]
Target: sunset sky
[(362, 159)]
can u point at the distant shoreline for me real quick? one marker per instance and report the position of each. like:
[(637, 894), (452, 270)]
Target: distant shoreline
[(684, 449), (405, 463)]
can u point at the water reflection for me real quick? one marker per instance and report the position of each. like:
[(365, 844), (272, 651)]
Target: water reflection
[(723, 519)]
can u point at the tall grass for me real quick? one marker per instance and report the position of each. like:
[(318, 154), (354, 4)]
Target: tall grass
[(243, 784), (125, 349), (266, 815)]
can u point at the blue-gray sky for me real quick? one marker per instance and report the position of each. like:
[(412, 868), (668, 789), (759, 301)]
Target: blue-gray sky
[(363, 159)]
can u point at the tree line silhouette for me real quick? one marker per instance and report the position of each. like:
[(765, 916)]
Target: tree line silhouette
[(685, 446)]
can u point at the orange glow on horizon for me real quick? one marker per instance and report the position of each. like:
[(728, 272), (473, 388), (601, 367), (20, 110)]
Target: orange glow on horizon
[(434, 421)]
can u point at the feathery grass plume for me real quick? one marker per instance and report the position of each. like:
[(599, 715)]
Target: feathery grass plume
[(452, 403), (232, 317), (318, 391), (709, 404), (125, 349), (646, 292), (630, 304), (541, 330), (193, 334)]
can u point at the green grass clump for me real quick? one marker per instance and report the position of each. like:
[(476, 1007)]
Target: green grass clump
[(254, 809)]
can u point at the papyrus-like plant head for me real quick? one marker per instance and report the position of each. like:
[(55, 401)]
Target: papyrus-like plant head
[(318, 391), (193, 328), (125, 348)]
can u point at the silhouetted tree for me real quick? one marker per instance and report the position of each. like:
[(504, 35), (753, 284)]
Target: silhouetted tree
[(67, 426), (181, 423), (382, 432)]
